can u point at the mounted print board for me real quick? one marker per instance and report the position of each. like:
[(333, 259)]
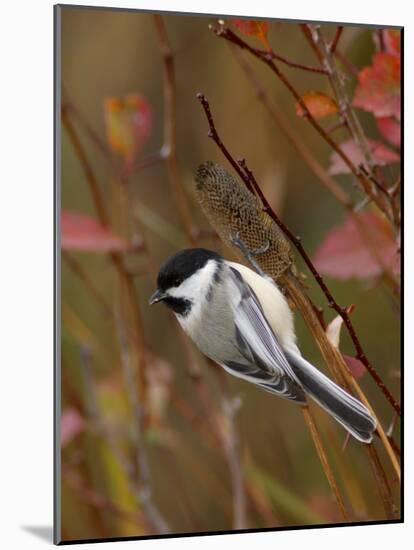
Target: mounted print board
[(228, 217)]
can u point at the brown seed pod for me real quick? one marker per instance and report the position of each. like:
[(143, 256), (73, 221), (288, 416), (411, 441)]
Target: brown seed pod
[(234, 211)]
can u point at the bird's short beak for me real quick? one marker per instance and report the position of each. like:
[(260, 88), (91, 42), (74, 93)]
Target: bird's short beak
[(157, 297)]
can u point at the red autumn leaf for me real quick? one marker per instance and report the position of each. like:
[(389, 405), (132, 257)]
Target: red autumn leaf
[(355, 366), (392, 41), (71, 424), (252, 27), (348, 252), (390, 129), (319, 104), (381, 153), (128, 124), (379, 88), (83, 233), (387, 40)]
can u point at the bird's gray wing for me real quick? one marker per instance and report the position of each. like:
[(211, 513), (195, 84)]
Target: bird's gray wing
[(266, 364)]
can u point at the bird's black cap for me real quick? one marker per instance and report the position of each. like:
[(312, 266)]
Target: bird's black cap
[(182, 265)]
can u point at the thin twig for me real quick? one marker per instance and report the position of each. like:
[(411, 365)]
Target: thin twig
[(241, 169), (395, 447), (69, 106), (342, 311), (374, 180), (89, 283), (197, 421), (350, 67), (226, 437), (324, 460), (389, 193), (231, 445), (337, 80), (381, 41), (307, 32), (144, 477), (383, 485), (313, 164), (212, 133), (141, 163), (116, 258), (337, 83), (293, 138), (97, 423), (335, 40), (170, 122), (336, 126), (247, 176), (98, 501), (143, 494), (195, 374), (390, 432), (394, 192), (290, 63), (87, 168), (333, 357), (230, 407), (91, 403), (344, 375), (149, 160), (395, 189), (230, 36)]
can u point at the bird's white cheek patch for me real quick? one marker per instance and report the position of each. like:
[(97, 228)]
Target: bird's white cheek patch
[(195, 289)]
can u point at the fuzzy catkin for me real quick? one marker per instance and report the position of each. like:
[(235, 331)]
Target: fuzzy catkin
[(233, 210)]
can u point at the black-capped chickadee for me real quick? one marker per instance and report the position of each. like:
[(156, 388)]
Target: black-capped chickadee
[(243, 322)]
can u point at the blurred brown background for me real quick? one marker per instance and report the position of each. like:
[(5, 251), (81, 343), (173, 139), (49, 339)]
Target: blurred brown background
[(113, 53)]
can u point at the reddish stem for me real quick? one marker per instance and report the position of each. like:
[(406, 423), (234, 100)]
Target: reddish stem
[(336, 38), (247, 176), (290, 63)]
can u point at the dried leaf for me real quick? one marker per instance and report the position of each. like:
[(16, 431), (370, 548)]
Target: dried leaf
[(128, 124), (381, 153), (333, 333), (355, 366), (71, 424), (319, 104), (390, 129), (379, 88), (346, 252), (333, 330), (252, 27), (83, 233)]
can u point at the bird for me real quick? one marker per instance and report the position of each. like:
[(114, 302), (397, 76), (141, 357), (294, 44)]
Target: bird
[(242, 321)]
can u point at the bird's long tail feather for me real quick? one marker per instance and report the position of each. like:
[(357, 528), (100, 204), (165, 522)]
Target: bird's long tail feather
[(347, 410)]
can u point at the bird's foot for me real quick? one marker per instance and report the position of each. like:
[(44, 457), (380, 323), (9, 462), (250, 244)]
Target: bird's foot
[(250, 254)]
